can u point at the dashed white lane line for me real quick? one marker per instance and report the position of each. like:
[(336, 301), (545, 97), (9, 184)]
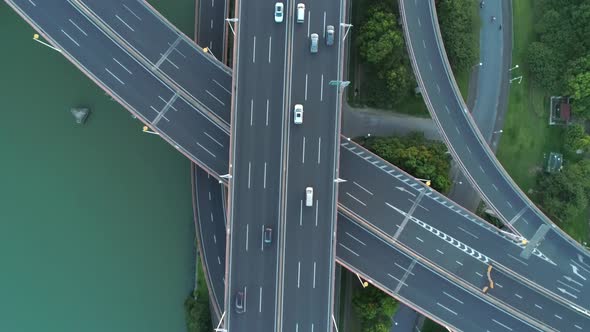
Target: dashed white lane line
[(503, 325), (452, 297), (120, 64), (115, 76), (127, 25), (347, 248), (132, 12), (269, 48), (72, 39), (447, 309), (76, 25), (32, 3), (254, 50), (356, 199)]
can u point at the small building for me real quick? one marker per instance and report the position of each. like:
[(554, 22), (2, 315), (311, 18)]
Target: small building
[(560, 111), (554, 163)]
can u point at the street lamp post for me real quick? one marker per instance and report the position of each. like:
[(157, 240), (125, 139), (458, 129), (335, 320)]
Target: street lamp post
[(426, 181), (511, 69), (208, 50), (519, 78), (147, 130), (498, 131), (36, 38), (230, 21), (346, 26), (477, 65)]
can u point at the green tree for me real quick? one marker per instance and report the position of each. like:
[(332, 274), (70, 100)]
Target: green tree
[(456, 24), (380, 39), (374, 309), (416, 155), (578, 87), (399, 80), (198, 316), (576, 138), (545, 65)]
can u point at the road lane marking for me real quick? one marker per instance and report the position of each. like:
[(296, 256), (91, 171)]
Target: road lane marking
[(214, 238), (459, 263), (319, 148), (254, 51), (260, 300), (457, 129), (354, 238), (314, 274), (518, 260), (468, 149), (504, 326), (127, 25), (118, 79), (440, 252), (72, 39), (538, 306), (423, 43), (363, 188), (249, 170), (251, 111), (76, 25), (308, 20), (247, 229), (324, 34), (461, 228), (298, 273), (419, 239), (449, 310), (213, 139), (226, 90), (210, 94), (520, 297), (267, 112), (269, 47), (262, 238), (211, 27), (452, 297), (493, 185), (204, 148), (356, 199), (120, 64), (32, 3), (303, 154), (132, 12), (347, 248), (509, 204), (419, 22)]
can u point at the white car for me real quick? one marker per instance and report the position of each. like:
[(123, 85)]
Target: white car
[(279, 12), (309, 196), (298, 114)]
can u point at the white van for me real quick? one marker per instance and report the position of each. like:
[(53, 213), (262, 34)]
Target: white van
[(300, 13), (309, 196)]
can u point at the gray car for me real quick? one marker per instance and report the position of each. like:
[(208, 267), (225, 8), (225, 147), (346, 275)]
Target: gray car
[(313, 46), (330, 35)]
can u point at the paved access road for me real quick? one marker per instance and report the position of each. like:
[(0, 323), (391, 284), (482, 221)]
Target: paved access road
[(255, 203), (474, 156), (313, 157)]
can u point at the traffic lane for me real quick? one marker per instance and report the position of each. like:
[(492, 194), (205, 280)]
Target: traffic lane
[(538, 306), (209, 145), (421, 288), (211, 225), (189, 68), (452, 115), (107, 62), (136, 25), (211, 25)]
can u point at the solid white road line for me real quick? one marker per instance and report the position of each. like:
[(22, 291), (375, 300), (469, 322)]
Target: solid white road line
[(120, 19), (251, 111), (254, 50), (249, 170), (269, 48), (247, 229), (303, 154), (298, 273), (260, 300), (267, 112)]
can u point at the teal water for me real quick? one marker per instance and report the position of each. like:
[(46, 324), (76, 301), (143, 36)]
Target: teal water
[(96, 230)]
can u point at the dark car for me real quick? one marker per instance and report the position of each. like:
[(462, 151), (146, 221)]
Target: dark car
[(267, 236), (240, 308)]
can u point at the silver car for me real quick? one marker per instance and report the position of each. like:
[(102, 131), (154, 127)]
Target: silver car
[(330, 35), (313, 46)]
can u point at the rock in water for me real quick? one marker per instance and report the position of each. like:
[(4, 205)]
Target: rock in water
[(80, 114)]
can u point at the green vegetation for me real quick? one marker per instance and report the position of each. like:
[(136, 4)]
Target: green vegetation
[(432, 326), (425, 159), (374, 309), (559, 59), (196, 305), (528, 138)]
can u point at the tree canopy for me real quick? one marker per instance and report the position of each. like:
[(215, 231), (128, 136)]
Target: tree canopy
[(374, 309), (416, 155), (456, 26)]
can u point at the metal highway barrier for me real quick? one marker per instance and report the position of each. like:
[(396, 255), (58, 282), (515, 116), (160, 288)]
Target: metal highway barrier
[(160, 102)]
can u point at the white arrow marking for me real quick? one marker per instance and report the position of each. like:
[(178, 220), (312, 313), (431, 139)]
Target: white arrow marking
[(568, 293), (575, 269), (568, 278)]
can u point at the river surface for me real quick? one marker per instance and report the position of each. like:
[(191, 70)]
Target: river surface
[(96, 230)]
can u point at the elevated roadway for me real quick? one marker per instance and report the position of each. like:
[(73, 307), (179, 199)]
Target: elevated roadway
[(126, 104), (471, 151), (257, 159)]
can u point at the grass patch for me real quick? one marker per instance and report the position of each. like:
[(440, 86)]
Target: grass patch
[(431, 326), (527, 135)]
